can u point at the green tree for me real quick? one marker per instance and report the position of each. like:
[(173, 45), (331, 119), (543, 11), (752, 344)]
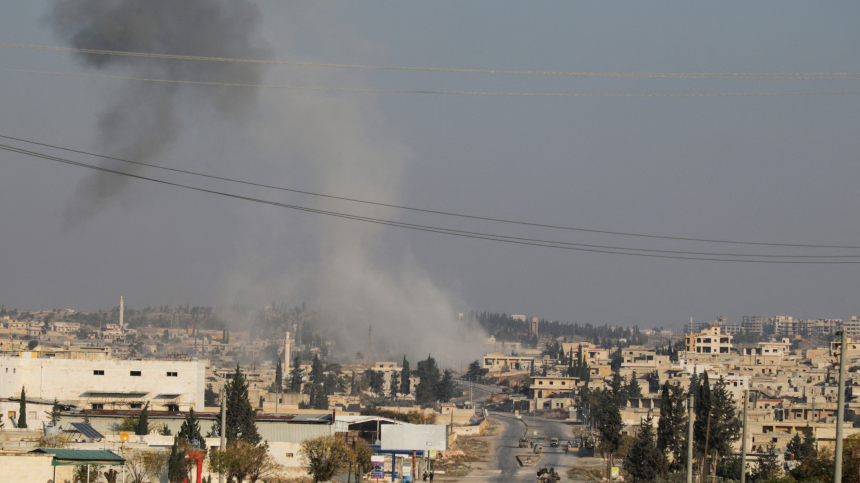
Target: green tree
[(241, 420), (22, 410), (724, 427), (801, 449), (404, 378), (210, 397), (376, 381), (54, 413), (241, 460), (446, 387), (672, 426), (616, 388), (473, 371), (702, 409), (316, 370), (176, 469), (768, 465), (428, 374), (279, 377), (610, 426), (296, 375), (324, 456), (632, 389), (393, 385), (142, 427), (644, 462), (190, 430)]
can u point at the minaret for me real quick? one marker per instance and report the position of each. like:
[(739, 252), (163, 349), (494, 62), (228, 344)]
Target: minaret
[(121, 310), (287, 346)]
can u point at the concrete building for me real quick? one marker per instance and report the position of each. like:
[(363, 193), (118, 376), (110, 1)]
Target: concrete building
[(784, 325), (106, 384), (852, 327), (544, 387), (709, 341), (752, 324), (498, 361)]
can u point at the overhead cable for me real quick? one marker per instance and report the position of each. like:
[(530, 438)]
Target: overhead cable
[(437, 212), (424, 228), (413, 91), (676, 75)]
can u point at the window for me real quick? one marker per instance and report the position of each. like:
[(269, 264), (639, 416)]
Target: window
[(289, 455), (172, 374), (173, 407), (98, 406), (135, 405), (98, 373), (135, 373)]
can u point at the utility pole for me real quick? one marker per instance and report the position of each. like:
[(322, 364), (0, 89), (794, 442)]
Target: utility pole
[(690, 417), (840, 409), (744, 439), (223, 430)]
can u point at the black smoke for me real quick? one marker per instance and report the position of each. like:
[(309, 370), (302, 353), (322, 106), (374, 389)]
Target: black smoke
[(142, 119)]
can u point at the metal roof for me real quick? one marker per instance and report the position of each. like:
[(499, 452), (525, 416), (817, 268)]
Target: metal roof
[(87, 430), (64, 457), (131, 394)]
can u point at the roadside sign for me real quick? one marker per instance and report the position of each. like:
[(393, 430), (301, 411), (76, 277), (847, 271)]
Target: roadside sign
[(123, 437), (432, 454), (377, 472), (614, 472)]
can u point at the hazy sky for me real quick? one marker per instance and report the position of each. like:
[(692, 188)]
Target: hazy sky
[(760, 168)]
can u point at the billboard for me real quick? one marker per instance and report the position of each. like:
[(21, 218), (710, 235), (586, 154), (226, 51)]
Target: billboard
[(414, 437)]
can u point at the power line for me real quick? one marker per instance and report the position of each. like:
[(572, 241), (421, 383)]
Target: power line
[(417, 91), (436, 212), (425, 228), (676, 75)]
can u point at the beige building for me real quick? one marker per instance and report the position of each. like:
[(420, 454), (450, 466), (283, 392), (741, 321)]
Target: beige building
[(709, 341), (106, 384), (498, 361)]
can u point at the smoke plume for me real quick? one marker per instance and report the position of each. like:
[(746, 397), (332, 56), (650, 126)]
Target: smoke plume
[(142, 119)]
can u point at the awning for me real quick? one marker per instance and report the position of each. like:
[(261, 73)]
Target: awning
[(78, 457), (135, 395)]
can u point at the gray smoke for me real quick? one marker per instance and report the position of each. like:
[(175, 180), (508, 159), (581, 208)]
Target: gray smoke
[(142, 118)]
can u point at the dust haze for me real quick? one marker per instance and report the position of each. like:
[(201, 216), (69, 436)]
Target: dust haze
[(354, 278)]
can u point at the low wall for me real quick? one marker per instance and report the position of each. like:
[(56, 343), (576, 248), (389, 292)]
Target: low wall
[(475, 430), (32, 467)]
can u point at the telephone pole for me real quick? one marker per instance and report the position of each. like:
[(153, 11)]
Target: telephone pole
[(744, 439), (690, 439), (840, 409), (223, 446)]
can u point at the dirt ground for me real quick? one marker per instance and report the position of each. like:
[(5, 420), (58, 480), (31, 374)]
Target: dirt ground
[(467, 451)]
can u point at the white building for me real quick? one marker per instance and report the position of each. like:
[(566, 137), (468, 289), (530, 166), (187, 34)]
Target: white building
[(106, 384)]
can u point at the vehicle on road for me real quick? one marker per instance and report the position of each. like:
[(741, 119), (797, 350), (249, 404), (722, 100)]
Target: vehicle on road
[(553, 442), (524, 443), (548, 476)]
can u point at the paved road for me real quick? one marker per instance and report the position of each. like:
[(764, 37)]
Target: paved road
[(479, 392), (505, 467)]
